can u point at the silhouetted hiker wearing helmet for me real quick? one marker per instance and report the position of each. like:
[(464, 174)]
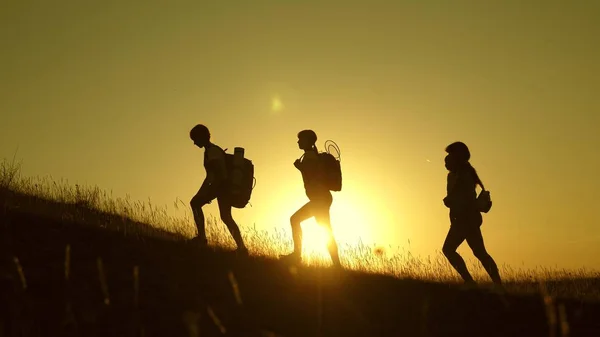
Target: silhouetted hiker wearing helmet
[(215, 185), (465, 214), (318, 194)]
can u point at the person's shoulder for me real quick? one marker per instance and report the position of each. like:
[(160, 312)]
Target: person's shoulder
[(466, 175), (214, 152), (311, 155)]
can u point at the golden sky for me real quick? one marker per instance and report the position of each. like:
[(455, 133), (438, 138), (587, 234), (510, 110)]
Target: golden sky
[(105, 93)]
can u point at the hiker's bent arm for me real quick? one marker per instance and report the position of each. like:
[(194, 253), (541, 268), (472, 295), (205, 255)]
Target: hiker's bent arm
[(216, 170), (310, 164), (205, 189), (462, 194), (451, 200), (216, 173), (310, 167), (210, 185)]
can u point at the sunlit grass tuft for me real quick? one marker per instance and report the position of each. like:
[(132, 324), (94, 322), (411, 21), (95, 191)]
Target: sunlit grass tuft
[(45, 196)]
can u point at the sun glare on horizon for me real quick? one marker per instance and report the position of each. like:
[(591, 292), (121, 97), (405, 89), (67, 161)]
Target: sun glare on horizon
[(356, 217), (314, 239), (349, 227)]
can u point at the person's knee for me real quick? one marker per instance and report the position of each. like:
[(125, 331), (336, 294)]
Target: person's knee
[(196, 203), (448, 251), (228, 221), (331, 243), (196, 208), (295, 221), (481, 254)]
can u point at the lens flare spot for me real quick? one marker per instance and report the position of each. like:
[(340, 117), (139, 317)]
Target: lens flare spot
[(276, 104)]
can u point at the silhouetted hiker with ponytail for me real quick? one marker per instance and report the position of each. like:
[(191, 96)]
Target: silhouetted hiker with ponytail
[(465, 213), (317, 182), (215, 185)]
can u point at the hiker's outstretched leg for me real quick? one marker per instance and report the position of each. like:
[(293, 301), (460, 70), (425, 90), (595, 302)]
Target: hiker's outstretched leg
[(234, 229), (324, 219), (196, 204), (333, 249), (475, 241), (455, 237), (304, 213)]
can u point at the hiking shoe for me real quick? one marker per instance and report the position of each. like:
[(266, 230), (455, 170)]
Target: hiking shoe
[(197, 241), (498, 288), (336, 264), (242, 252), (469, 285), (292, 258)]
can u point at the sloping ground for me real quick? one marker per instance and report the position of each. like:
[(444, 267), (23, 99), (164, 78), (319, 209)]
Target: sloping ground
[(181, 289), (81, 213)]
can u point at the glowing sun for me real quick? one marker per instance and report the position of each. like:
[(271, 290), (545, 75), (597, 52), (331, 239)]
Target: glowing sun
[(314, 239)]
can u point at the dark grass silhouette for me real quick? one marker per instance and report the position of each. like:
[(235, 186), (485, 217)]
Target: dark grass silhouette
[(68, 269)]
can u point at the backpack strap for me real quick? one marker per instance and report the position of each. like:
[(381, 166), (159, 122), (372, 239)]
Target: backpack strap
[(458, 175), (210, 146)]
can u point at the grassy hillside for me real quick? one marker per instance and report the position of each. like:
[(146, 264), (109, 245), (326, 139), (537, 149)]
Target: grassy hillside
[(77, 262)]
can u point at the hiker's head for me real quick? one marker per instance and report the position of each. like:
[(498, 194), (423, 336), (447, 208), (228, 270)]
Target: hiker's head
[(458, 154), (200, 135), (459, 150), (307, 139)]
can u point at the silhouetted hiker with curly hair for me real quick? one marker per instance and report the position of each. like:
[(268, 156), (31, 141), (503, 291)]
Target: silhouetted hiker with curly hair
[(465, 214), (319, 196), (215, 185)]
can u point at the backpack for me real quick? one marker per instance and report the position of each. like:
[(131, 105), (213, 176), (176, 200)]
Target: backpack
[(484, 201), (240, 180), (332, 169)]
